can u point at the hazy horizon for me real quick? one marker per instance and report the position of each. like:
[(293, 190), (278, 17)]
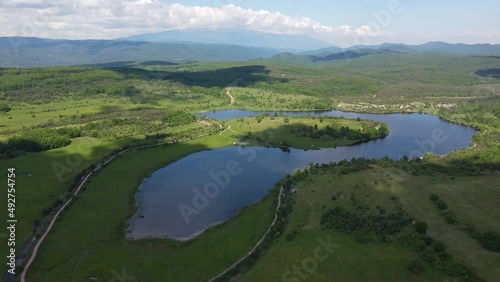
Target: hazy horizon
[(339, 23)]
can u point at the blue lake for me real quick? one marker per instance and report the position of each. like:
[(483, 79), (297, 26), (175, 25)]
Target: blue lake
[(184, 198)]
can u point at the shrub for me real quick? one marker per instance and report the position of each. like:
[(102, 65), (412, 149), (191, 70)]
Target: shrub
[(455, 268), (434, 197), (290, 236), (439, 246), (444, 257), (420, 246), (421, 227), (429, 256), (362, 237), (450, 219), (491, 241), (178, 118), (4, 107), (415, 266), (427, 239), (441, 205)]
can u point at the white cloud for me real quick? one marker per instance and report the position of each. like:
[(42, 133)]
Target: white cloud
[(78, 19)]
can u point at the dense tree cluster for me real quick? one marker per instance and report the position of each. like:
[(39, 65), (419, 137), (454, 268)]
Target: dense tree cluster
[(369, 225), (212, 91), (35, 141), (344, 132), (339, 85), (43, 85), (178, 118)]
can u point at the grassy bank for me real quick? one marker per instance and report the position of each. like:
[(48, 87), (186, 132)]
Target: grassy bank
[(89, 240), (43, 178)]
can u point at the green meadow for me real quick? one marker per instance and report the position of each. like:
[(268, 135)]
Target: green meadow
[(378, 189), (111, 108)]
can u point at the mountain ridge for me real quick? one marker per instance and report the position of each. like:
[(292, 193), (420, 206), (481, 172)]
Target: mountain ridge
[(233, 36), (33, 51)]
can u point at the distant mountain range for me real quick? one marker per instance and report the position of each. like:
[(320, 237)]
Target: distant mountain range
[(429, 47), (29, 51), (183, 46), (335, 53), (234, 37), (302, 44)]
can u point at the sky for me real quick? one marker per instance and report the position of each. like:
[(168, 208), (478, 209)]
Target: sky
[(338, 22)]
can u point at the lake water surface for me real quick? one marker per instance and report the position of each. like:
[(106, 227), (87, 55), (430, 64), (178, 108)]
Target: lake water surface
[(184, 198)]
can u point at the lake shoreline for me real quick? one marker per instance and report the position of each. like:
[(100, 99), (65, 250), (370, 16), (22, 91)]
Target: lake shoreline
[(323, 155)]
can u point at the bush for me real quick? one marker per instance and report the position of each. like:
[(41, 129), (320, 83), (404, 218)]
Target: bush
[(455, 268), (290, 236), (178, 118), (490, 241), (415, 266), (362, 237), (442, 205), (4, 108), (434, 197), (439, 246), (420, 246), (444, 257), (421, 227), (450, 219), (427, 239), (429, 256)]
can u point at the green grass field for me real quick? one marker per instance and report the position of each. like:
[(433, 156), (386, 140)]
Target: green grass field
[(373, 188), (88, 241), (39, 185), (350, 261)]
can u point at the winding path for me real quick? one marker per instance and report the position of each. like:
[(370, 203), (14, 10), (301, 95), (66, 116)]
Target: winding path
[(49, 227), (229, 94), (256, 245), (40, 241), (42, 238)]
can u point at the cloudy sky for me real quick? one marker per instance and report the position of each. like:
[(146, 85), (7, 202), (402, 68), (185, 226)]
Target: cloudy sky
[(340, 22)]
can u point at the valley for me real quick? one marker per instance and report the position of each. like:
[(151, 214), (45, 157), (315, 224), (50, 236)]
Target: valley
[(59, 123)]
